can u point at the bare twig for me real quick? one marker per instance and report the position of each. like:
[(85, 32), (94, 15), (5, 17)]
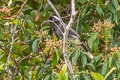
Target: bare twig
[(21, 9), (3, 49), (25, 57), (13, 33), (13, 30), (57, 13), (65, 34), (65, 38), (53, 23)]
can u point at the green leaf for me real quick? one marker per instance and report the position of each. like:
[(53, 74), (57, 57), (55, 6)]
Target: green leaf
[(26, 35), (86, 77), (2, 72), (32, 14), (56, 58), (45, 27), (111, 8), (100, 11), (83, 1), (3, 58), (47, 77), (44, 68), (97, 58), (115, 3), (95, 45), (28, 20), (91, 66), (106, 33), (75, 56), (115, 16), (100, 2), (35, 44), (30, 23), (93, 40), (105, 68), (84, 59), (97, 76), (110, 62), (86, 27), (58, 76), (85, 10), (117, 64), (118, 55)]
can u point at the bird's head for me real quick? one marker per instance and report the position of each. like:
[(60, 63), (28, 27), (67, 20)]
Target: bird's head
[(55, 18)]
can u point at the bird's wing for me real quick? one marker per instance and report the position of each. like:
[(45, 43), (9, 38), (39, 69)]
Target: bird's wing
[(73, 32)]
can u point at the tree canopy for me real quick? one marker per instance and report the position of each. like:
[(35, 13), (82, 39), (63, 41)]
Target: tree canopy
[(30, 49)]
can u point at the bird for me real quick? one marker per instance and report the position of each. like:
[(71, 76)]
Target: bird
[(73, 36)]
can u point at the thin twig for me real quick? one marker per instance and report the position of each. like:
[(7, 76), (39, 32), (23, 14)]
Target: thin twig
[(21, 9), (25, 57), (3, 49), (53, 23), (13, 30), (13, 33), (57, 13)]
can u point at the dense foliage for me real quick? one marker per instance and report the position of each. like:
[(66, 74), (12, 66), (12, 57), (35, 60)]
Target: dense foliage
[(36, 50)]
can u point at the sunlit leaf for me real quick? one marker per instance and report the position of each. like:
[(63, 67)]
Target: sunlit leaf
[(97, 76), (56, 58)]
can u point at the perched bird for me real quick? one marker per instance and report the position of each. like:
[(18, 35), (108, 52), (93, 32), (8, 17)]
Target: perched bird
[(73, 36)]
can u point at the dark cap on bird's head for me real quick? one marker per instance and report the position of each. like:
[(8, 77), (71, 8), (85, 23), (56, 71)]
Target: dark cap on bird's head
[(54, 18), (57, 27)]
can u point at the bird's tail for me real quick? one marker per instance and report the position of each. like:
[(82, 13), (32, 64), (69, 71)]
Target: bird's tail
[(89, 52)]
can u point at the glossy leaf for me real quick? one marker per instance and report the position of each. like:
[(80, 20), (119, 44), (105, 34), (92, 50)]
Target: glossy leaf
[(75, 56), (105, 68), (91, 40), (35, 44), (56, 58)]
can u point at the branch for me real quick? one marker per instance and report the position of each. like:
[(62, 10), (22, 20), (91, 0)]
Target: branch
[(13, 33), (55, 10), (13, 30), (53, 23), (65, 38), (25, 57), (21, 9), (65, 35)]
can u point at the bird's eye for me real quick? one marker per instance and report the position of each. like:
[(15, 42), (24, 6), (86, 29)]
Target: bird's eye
[(50, 18)]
